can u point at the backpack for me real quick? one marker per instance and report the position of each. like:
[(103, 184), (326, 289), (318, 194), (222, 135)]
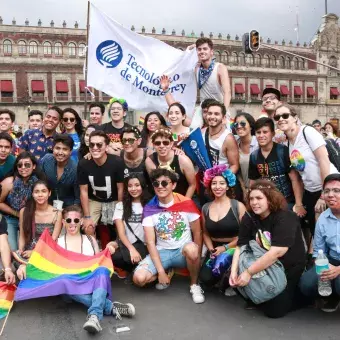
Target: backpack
[(332, 149)]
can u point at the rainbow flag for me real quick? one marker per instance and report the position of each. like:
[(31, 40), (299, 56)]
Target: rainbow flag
[(52, 270), (181, 204), (6, 298), (231, 123), (141, 120)]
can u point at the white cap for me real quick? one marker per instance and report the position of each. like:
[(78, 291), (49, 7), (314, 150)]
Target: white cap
[(320, 251)]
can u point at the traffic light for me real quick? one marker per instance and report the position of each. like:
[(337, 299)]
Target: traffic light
[(254, 40)]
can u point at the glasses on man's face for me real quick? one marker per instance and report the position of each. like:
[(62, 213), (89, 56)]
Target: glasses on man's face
[(161, 142), (72, 120), (70, 220), (128, 140), (335, 191), (96, 145), (163, 183), (242, 124), (271, 98), (24, 165), (283, 115)]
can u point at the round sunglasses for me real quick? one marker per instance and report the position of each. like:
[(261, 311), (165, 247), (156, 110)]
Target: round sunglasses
[(157, 184), (242, 124), (70, 220)]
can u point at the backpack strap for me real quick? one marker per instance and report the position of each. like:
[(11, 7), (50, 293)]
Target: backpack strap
[(304, 136), (207, 145), (234, 208)]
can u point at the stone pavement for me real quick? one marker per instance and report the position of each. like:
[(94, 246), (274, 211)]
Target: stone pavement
[(166, 315)]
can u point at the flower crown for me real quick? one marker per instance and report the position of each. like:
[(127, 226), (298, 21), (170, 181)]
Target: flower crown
[(165, 131), (120, 101), (219, 170)]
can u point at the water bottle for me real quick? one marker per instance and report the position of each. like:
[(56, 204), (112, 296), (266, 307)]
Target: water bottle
[(322, 264)]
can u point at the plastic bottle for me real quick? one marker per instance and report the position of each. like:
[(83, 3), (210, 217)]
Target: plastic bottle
[(322, 264)]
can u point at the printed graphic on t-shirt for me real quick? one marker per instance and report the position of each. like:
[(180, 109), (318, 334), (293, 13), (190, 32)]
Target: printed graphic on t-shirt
[(114, 137), (135, 218), (106, 189), (215, 155), (297, 160), (170, 226)]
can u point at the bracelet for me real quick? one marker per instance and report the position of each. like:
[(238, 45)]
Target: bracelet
[(248, 271), (87, 217), (7, 269), (167, 91), (298, 206), (226, 246)]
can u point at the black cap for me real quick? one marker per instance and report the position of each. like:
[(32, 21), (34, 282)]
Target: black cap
[(272, 90), (330, 178)]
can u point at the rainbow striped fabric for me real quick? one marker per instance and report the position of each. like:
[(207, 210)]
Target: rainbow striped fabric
[(6, 298), (52, 270), (141, 120)]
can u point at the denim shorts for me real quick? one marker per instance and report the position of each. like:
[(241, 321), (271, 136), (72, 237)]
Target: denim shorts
[(170, 258)]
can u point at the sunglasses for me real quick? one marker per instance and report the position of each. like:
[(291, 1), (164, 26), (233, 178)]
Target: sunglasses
[(128, 140), (284, 116), (72, 120), (96, 145), (69, 220), (242, 124), (157, 184), (164, 142), (24, 165)]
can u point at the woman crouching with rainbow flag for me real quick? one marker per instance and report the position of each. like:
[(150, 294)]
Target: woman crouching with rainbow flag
[(73, 267)]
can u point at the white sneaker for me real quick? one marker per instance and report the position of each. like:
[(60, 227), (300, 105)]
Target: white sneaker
[(229, 292), (123, 309), (197, 293), (92, 324), (161, 286)]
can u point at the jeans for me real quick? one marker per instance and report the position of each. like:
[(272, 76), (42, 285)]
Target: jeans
[(309, 282), (12, 230), (97, 302)]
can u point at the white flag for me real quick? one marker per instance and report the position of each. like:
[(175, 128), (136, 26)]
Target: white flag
[(127, 65)]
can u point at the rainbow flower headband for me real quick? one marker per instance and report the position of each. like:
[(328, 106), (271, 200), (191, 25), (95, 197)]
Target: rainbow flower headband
[(219, 170)]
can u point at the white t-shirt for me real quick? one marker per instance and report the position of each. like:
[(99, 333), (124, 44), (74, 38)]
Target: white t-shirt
[(303, 160), (172, 228), (87, 246), (135, 221)]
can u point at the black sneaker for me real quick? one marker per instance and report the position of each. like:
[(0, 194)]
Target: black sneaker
[(123, 309), (330, 306)]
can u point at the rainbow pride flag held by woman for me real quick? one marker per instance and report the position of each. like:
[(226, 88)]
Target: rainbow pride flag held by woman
[(6, 298), (52, 270), (181, 204)]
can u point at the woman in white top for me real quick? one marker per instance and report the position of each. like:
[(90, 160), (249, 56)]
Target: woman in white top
[(332, 132), (128, 219), (97, 302), (309, 156), (247, 143)]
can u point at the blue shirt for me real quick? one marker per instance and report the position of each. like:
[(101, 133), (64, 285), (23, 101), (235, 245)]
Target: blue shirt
[(36, 143), (76, 146), (66, 188), (7, 166), (327, 235)]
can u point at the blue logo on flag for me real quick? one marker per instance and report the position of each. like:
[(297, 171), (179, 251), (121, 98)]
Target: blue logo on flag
[(109, 53)]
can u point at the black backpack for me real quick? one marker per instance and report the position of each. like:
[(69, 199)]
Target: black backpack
[(332, 149)]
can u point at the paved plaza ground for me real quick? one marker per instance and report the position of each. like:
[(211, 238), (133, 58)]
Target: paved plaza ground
[(166, 315)]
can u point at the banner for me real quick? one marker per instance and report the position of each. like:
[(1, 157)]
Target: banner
[(127, 65), (195, 149)]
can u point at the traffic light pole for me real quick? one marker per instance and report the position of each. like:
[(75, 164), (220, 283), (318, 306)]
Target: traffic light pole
[(300, 56)]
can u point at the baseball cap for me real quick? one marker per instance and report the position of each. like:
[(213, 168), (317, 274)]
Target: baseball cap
[(272, 90)]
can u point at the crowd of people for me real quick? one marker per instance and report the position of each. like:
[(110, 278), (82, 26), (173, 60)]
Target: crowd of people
[(135, 192)]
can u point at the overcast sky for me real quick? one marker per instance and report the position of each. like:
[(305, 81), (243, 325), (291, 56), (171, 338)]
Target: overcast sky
[(273, 18)]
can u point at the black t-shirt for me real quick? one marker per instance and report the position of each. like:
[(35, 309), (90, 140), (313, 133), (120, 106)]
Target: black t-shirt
[(285, 231), (3, 226), (101, 180), (112, 132), (275, 168)]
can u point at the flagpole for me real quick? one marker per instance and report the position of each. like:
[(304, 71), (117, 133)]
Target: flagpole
[(4, 324), (86, 57)]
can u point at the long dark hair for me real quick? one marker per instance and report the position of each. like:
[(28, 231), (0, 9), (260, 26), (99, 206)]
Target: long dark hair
[(127, 200), (79, 124), (84, 149), (37, 172), (145, 132), (29, 212)]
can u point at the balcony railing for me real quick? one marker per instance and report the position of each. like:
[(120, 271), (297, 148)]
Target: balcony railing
[(333, 101)]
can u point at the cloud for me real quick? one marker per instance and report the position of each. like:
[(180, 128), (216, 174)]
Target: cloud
[(274, 19)]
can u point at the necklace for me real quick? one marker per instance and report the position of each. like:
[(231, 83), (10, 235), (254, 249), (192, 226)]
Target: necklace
[(212, 135)]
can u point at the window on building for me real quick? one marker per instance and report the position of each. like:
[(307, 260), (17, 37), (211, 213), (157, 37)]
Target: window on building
[(273, 61), (82, 50), (239, 91), (296, 64), (297, 94), (284, 93), (6, 88), (217, 55), (310, 94), (267, 61), (334, 93), (242, 59), (38, 89), (289, 63), (254, 92), (33, 47), (22, 47), (47, 48), (234, 58), (258, 60), (72, 49), (225, 57), (62, 88), (7, 47), (58, 48), (282, 62)]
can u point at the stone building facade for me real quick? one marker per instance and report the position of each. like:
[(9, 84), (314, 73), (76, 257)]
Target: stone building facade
[(42, 66)]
